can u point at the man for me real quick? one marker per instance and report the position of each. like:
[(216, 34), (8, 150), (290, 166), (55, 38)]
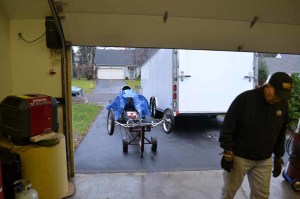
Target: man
[(254, 128)]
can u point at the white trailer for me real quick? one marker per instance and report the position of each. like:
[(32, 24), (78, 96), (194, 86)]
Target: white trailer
[(193, 82)]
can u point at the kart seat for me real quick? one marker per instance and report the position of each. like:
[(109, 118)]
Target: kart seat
[(129, 106)]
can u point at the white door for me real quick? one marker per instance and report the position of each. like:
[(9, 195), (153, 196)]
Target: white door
[(212, 79), (110, 73)]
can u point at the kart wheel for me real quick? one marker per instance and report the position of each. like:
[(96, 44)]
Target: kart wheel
[(296, 184), (153, 108), (125, 144), (154, 144), (169, 120), (150, 106), (110, 122), (154, 112)]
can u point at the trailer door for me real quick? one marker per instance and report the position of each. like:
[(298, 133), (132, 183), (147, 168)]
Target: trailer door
[(208, 81)]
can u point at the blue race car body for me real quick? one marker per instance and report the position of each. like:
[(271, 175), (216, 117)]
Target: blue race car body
[(140, 103)]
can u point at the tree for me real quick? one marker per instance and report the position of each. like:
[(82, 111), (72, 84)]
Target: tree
[(74, 74), (294, 102), (263, 72), (86, 61), (140, 55)]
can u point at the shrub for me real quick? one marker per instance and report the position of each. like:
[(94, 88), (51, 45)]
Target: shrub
[(294, 103), (263, 72)]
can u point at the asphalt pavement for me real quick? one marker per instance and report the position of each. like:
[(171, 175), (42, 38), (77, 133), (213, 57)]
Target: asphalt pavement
[(105, 90), (188, 149)]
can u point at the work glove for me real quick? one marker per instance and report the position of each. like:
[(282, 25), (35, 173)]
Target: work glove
[(227, 161), (277, 166)]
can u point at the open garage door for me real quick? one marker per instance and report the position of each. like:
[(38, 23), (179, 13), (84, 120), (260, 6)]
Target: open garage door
[(253, 25), (111, 73)]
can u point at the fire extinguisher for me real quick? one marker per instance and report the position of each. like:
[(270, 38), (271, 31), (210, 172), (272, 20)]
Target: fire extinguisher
[(292, 174), (24, 190)]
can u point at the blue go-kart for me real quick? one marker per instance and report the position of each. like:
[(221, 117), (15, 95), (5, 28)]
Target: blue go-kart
[(129, 110)]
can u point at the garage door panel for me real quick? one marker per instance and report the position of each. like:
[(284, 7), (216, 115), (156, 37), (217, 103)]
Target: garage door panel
[(110, 73)]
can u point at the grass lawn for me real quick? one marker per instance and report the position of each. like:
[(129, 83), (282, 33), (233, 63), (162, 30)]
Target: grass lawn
[(87, 85), (134, 84), (83, 116)]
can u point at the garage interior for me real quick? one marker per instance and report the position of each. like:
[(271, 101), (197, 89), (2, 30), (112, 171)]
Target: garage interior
[(26, 67)]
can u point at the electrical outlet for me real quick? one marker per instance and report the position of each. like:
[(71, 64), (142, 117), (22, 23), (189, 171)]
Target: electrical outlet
[(19, 36)]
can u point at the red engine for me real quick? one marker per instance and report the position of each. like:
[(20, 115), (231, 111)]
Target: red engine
[(22, 117)]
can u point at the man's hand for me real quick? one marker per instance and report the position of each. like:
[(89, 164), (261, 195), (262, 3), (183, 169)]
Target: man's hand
[(227, 161), (277, 164)]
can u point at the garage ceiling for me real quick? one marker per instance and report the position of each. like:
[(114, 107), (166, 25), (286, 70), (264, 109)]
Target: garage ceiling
[(193, 24)]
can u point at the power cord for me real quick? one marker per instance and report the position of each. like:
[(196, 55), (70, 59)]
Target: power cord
[(21, 37)]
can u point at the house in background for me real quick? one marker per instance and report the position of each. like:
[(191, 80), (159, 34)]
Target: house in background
[(281, 62), (116, 64)]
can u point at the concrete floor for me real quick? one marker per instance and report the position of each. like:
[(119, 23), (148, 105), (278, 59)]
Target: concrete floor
[(166, 185)]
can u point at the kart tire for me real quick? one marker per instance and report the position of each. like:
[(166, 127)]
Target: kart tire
[(154, 111), (154, 144), (125, 145), (169, 120), (111, 122), (150, 106)]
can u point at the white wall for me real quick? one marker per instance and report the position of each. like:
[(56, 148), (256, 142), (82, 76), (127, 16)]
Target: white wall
[(5, 64), (31, 62)]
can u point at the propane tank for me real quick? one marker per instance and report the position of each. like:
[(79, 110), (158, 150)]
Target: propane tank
[(24, 190)]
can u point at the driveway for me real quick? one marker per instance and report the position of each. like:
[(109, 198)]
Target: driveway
[(105, 90), (191, 146)]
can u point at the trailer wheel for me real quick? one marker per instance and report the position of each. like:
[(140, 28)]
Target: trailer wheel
[(111, 122), (125, 145), (154, 144), (169, 120), (296, 184)]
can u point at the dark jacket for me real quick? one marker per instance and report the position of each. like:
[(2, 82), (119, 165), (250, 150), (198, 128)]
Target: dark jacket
[(254, 129)]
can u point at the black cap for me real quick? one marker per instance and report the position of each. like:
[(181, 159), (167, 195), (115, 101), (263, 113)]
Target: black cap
[(282, 84)]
